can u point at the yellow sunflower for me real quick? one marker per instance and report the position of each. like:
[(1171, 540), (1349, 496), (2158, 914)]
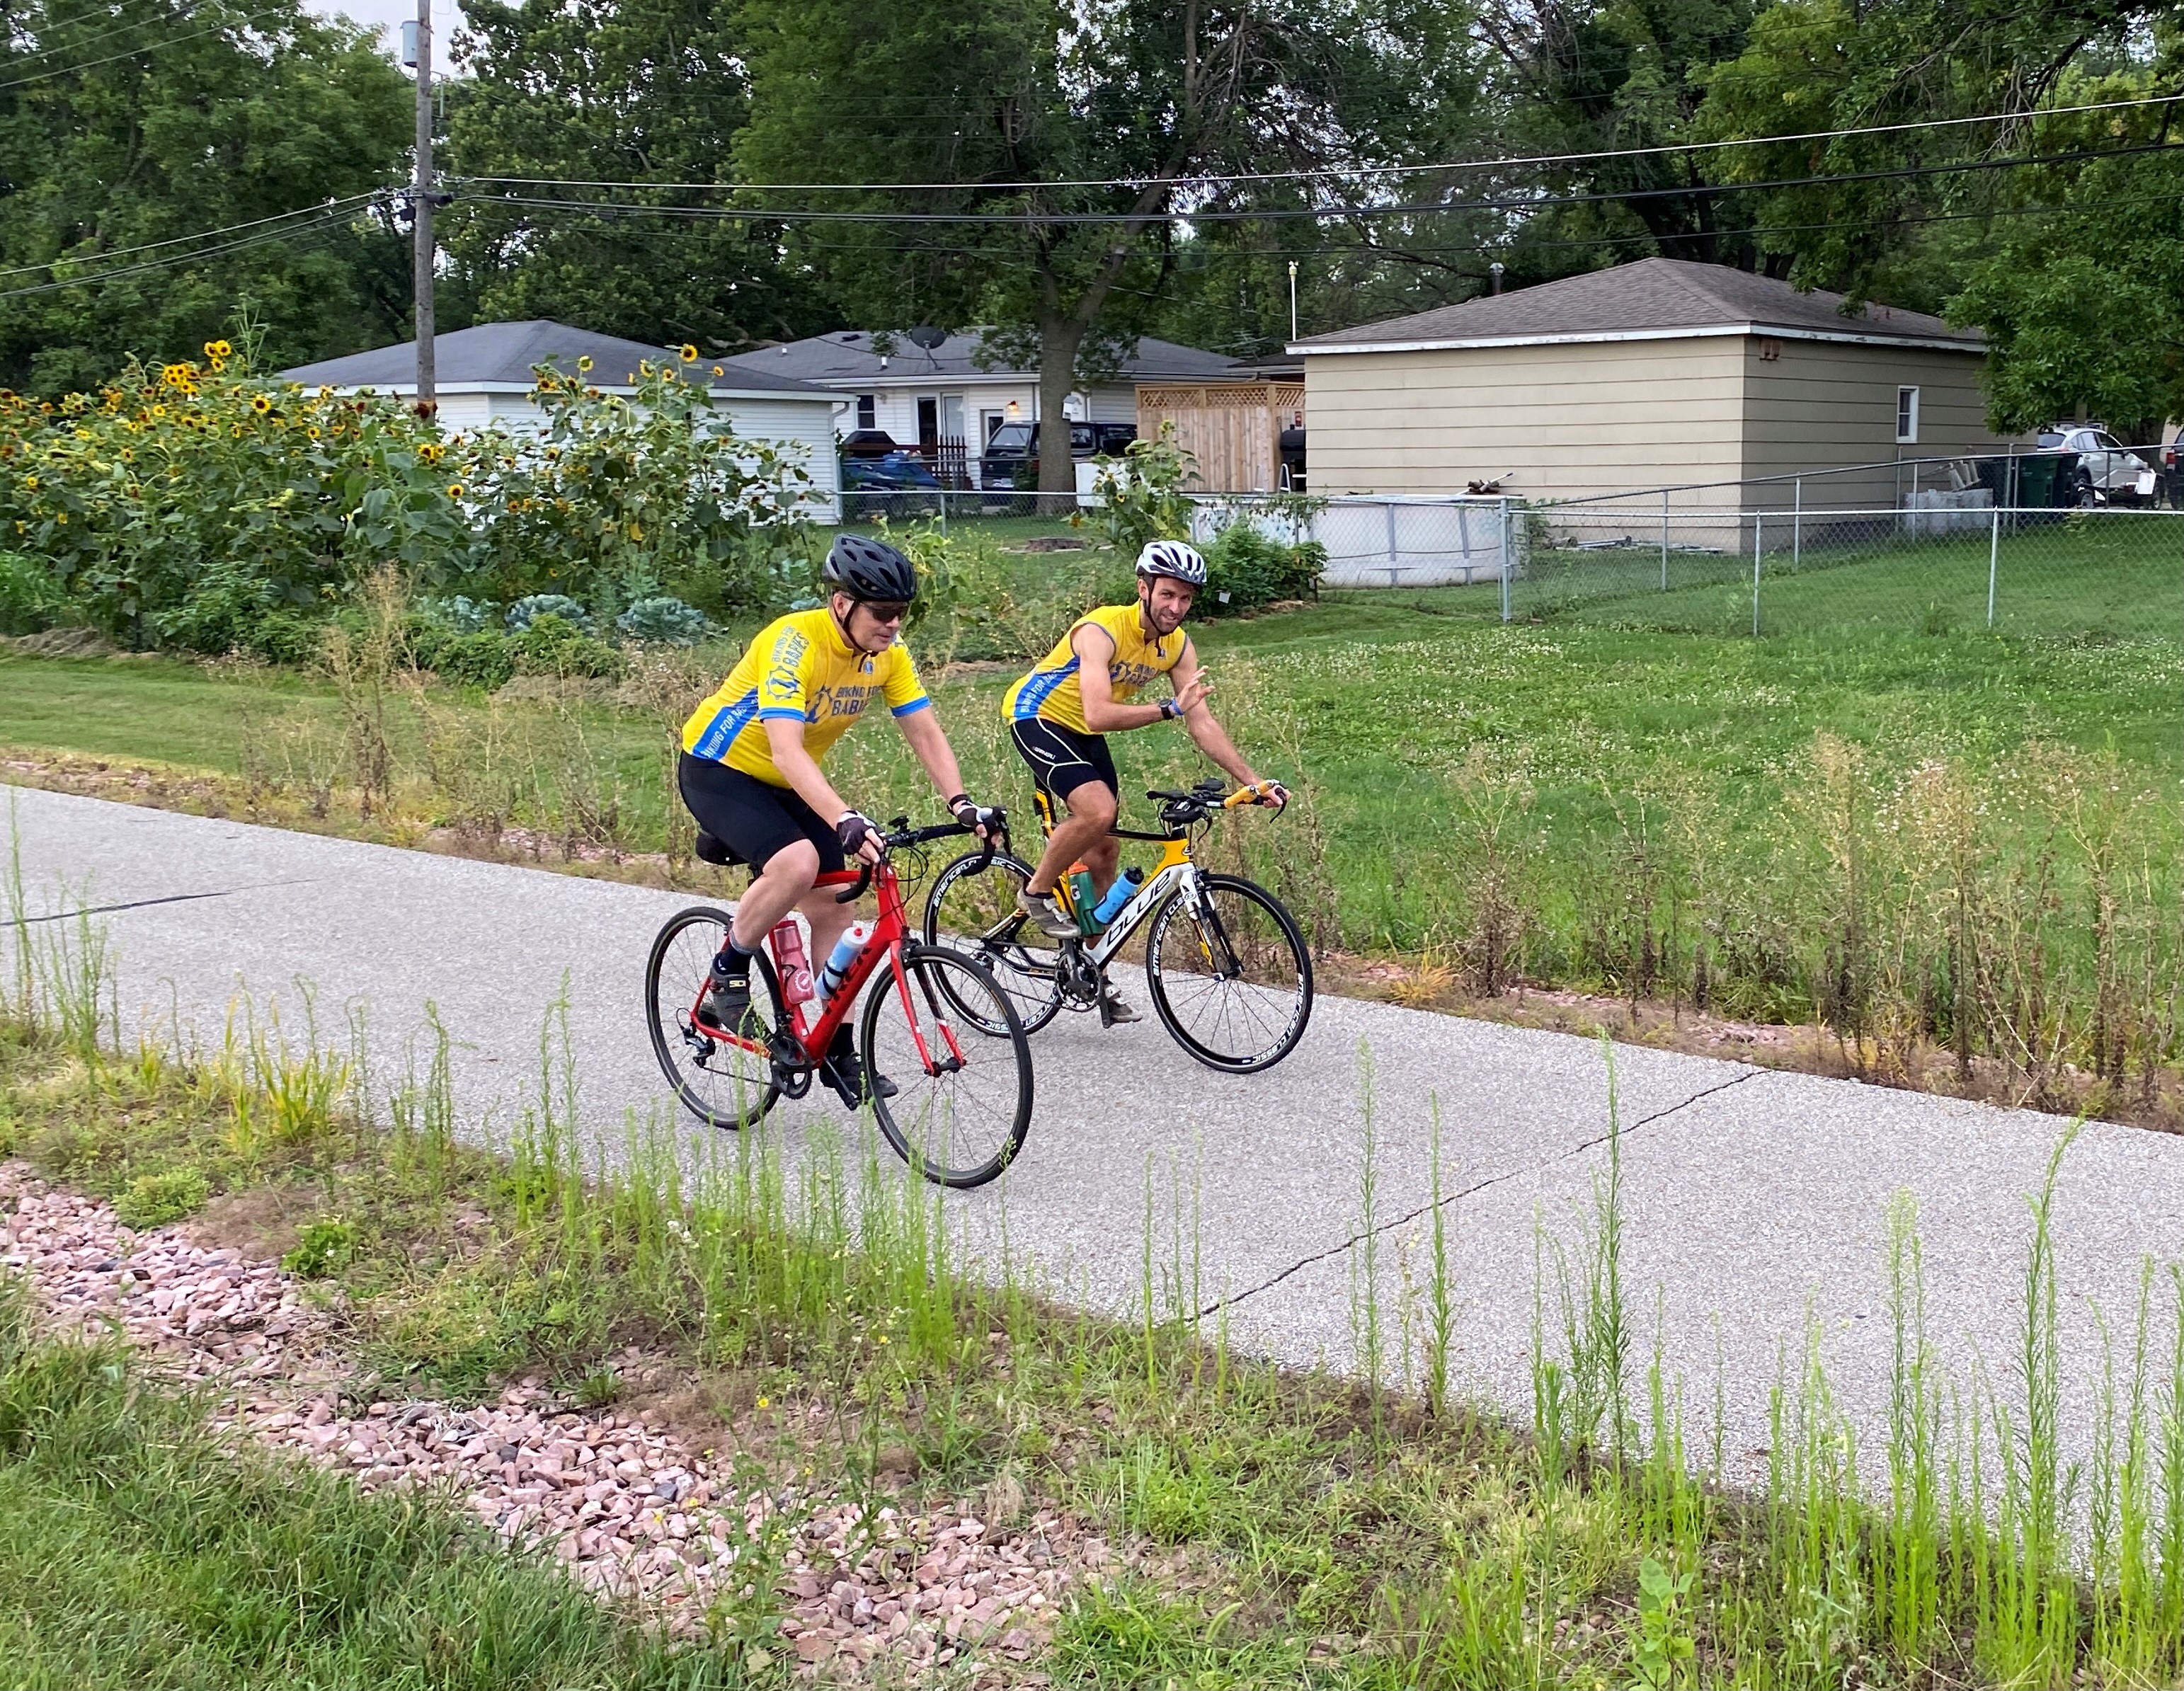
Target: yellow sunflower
[(261, 404), (689, 354), (313, 431), (454, 489), (584, 363)]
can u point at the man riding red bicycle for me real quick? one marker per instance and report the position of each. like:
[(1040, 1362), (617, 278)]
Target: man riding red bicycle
[(749, 769)]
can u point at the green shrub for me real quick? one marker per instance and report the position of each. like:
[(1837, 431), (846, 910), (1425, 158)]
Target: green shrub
[(153, 1200), (485, 658), (29, 600), (323, 1247), (1247, 570), (552, 647)]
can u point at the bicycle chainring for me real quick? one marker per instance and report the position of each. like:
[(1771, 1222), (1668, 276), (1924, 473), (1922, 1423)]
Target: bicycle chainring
[(1078, 978)]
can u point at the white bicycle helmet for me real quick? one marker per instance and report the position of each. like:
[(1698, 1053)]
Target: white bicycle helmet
[(1173, 558)]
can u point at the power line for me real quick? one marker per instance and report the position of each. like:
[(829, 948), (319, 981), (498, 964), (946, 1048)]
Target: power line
[(242, 21), (1325, 172), (175, 260), (1399, 208), (351, 200)]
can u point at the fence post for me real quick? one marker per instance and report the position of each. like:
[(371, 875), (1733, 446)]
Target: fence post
[(1993, 557), (1507, 563), (1758, 531), (1395, 558), (943, 514), (1797, 528), (1664, 540)]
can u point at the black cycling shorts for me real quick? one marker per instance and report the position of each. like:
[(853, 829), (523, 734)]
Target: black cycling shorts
[(1062, 758), (751, 817)]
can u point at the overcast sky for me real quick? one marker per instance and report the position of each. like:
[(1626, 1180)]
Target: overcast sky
[(388, 14)]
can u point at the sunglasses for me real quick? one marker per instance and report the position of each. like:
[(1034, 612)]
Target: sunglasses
[(885, 610)]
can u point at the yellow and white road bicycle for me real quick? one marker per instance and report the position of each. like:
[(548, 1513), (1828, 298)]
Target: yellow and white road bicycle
[(1227, 969)]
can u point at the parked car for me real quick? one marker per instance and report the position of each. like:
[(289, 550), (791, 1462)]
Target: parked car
[(2102, 471), (1011, 459), (896, 484)]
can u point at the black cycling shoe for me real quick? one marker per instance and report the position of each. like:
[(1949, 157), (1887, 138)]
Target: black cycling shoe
[(841, 1074), (727, 1000)]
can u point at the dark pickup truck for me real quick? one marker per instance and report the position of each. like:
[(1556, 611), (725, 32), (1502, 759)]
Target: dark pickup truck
[(1010, 460)]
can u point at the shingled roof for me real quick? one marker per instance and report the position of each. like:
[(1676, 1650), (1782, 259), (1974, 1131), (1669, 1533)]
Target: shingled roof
[(1653, 299), (501, 356), (849, 356)]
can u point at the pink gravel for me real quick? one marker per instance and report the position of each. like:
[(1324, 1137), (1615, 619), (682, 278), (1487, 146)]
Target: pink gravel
[(630, 1510)]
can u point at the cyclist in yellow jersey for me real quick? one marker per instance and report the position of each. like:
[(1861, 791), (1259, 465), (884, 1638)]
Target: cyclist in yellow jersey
[(1060, 715), (749, 769)]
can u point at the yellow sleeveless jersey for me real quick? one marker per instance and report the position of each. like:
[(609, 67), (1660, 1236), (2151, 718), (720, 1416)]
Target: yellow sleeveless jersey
[(1051, 690), (799, 666)]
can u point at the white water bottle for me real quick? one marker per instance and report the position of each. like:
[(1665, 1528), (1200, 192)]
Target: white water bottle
[(843, 958)]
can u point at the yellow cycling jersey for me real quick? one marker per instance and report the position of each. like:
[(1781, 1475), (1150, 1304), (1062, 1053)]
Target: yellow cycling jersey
[(798, 666), (1051, 690)]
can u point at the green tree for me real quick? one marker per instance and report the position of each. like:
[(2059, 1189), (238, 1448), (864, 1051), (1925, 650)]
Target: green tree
[(123, 125), (646, 92), (1012, 105)]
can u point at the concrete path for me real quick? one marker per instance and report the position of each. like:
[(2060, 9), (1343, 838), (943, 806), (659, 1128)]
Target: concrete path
[(1754, 1201)]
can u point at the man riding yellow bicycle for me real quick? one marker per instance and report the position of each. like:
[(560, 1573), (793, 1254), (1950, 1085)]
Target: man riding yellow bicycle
[(1060, 715)]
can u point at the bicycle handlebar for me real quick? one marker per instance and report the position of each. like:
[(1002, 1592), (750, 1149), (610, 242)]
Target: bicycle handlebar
[(1183, 808), (899, 834)]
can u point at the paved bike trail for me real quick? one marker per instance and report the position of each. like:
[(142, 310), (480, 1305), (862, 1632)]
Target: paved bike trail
[(1755, 1202)]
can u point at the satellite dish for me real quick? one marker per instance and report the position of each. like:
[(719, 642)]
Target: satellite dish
[(928, 337)]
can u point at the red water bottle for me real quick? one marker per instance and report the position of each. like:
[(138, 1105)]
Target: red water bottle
[(789, 957)]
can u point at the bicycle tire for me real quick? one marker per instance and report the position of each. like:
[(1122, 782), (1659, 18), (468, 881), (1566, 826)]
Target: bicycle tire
[(1289, 1029), (1026, 974), (744, 1089), (928, 1108)]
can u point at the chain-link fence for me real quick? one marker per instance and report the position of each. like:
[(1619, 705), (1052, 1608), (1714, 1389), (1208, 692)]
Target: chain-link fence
[(1930, 568)]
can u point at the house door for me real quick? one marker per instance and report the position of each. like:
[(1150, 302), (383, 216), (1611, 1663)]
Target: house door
[(928, 424)]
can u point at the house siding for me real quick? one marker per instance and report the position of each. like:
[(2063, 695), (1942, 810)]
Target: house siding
[(1549, 422), (1818, 404)]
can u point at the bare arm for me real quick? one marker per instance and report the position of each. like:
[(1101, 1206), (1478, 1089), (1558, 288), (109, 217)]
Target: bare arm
[(1095, 649), (1191, 688), (921, 728)]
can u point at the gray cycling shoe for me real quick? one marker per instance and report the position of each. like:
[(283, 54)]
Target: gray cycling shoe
[(1114, 1012), (1047, 914)]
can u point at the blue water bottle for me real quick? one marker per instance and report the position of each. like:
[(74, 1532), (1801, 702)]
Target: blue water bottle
[(841, 958), (1124, 889)]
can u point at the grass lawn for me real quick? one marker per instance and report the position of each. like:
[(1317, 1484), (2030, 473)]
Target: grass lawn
[(142, 1549)]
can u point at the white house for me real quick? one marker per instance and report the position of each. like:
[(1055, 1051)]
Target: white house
[(484, 376), (934, 396)]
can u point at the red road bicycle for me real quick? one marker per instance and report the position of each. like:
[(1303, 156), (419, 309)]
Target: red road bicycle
[(935, 1024)]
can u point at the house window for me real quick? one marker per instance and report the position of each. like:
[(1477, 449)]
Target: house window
[(1906, 416), (868, 411)]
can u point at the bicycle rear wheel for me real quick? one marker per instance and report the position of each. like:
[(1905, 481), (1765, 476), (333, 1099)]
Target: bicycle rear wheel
[(973, 910), (718, 1079), (962, 1104), (1230, 976)]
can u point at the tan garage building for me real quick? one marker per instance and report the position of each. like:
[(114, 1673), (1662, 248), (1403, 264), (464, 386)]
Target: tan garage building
[(1654, 374)]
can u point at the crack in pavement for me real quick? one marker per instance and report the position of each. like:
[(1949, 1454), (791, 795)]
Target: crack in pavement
[(1473, 1190), (145, 904)]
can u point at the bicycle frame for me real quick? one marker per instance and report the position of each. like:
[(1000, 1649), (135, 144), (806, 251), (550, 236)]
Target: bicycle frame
[(1167, 878), (815, 1035)]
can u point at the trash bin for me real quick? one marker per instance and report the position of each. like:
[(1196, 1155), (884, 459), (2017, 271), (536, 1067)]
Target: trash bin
[(2036, 480)]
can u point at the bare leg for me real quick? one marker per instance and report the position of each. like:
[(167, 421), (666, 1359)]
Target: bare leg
[(783, 884), (1083, 835)]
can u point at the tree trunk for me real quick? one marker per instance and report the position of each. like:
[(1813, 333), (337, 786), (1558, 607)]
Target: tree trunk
[(1060, 336)]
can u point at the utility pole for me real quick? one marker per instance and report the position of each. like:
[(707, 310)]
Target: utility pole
[(420, 214), (1293, 333)]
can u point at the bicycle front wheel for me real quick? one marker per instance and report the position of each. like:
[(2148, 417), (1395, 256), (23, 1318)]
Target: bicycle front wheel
[(1230, 976), (973, 910), (963, 1089), (720, 1081)]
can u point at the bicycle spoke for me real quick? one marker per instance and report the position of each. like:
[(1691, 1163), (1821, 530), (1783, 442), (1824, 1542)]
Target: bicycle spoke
[(1229, 975), (962, 1102)]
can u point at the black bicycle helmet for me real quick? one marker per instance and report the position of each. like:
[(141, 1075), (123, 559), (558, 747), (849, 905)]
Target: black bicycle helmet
[(868, 568)]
